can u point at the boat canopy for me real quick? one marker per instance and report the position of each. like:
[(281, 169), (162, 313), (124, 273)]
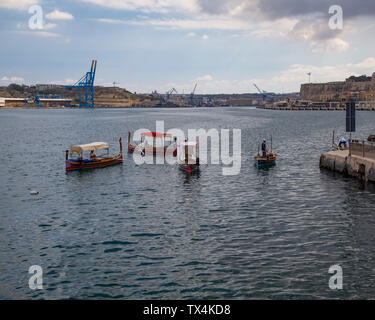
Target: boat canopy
[(88, 147), (156, 134), (189, 143)]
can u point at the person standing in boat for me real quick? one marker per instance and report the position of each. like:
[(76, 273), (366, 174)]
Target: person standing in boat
[(264, 149)]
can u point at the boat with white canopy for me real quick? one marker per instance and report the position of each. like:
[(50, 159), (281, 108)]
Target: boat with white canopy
[(76, 158)]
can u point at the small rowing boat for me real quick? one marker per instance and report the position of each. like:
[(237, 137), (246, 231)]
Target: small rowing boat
[(78, 161), (267, 160), (188, 160)]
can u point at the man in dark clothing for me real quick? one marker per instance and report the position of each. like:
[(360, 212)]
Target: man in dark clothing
[(264, 148)]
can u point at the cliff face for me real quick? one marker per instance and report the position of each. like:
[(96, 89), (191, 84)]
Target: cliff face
[(336, 91)]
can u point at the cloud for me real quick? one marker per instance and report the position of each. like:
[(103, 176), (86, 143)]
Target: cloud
[(45, 34), (23, 29), (308, 23), (368, 64), (49, 26), (205, 37), (288, 8), (310, 18), (318, 35), (278, 9), (66, 82), (331, 45), (59, 15), (160, 6), (191, 34), (260, 10), (111, 21), (207, 77), (275, 28), (287, 80), (220, 23), (12, 79), (18, 4)]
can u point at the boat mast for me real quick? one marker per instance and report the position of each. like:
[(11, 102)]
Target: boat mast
[(186, 154)]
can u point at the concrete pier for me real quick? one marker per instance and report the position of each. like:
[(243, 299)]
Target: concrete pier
[(356, 166)]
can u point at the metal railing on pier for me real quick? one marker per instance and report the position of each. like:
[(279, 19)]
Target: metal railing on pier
[(364, 149)]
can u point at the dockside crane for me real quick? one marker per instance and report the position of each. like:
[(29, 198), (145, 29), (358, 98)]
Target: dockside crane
[(262, 92), (169, 93), (192, 95), (36, 97), (86, 83)]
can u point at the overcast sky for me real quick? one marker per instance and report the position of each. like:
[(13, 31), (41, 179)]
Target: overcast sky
[(225, 46)]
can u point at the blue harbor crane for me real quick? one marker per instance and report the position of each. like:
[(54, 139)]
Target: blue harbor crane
[(36, 97), (86, 83)]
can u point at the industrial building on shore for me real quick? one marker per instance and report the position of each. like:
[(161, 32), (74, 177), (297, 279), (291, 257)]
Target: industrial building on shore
[(22, 102)]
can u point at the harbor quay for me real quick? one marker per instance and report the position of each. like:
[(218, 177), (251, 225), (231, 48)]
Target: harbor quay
[(358, 161)]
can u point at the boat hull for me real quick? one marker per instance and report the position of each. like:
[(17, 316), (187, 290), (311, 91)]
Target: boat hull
[(189, 168), (72, 165), (260, 163), (265, 162)]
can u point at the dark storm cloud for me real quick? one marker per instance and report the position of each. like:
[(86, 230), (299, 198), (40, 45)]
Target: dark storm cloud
[(288, 8), (213, 7), (218, 6), (273, 9)]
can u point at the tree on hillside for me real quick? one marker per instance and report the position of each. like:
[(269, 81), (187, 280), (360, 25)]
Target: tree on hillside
[(16, 87)]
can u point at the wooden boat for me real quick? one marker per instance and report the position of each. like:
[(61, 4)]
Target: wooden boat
[(78, 162), (268, 161), (188, 160), (151, 142)]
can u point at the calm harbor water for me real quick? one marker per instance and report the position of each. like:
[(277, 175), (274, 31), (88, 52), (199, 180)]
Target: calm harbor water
[(152, 232)]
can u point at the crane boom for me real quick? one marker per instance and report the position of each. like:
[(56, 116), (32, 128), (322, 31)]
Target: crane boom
[(262, 92), (86, 83), (195, 88), (259, 90), (192, 95)]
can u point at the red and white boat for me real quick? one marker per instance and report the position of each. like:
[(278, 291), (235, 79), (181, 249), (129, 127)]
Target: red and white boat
[(154, 143)]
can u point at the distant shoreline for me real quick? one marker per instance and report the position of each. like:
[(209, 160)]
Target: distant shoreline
[(120, 107)]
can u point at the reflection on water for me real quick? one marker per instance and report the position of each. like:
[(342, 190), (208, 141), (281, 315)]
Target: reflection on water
[(156, 232)]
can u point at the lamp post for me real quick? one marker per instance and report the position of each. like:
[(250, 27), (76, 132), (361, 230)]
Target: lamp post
[(309, 74)]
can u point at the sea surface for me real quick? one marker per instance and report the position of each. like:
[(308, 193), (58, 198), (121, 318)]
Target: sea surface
[(154, 232)]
